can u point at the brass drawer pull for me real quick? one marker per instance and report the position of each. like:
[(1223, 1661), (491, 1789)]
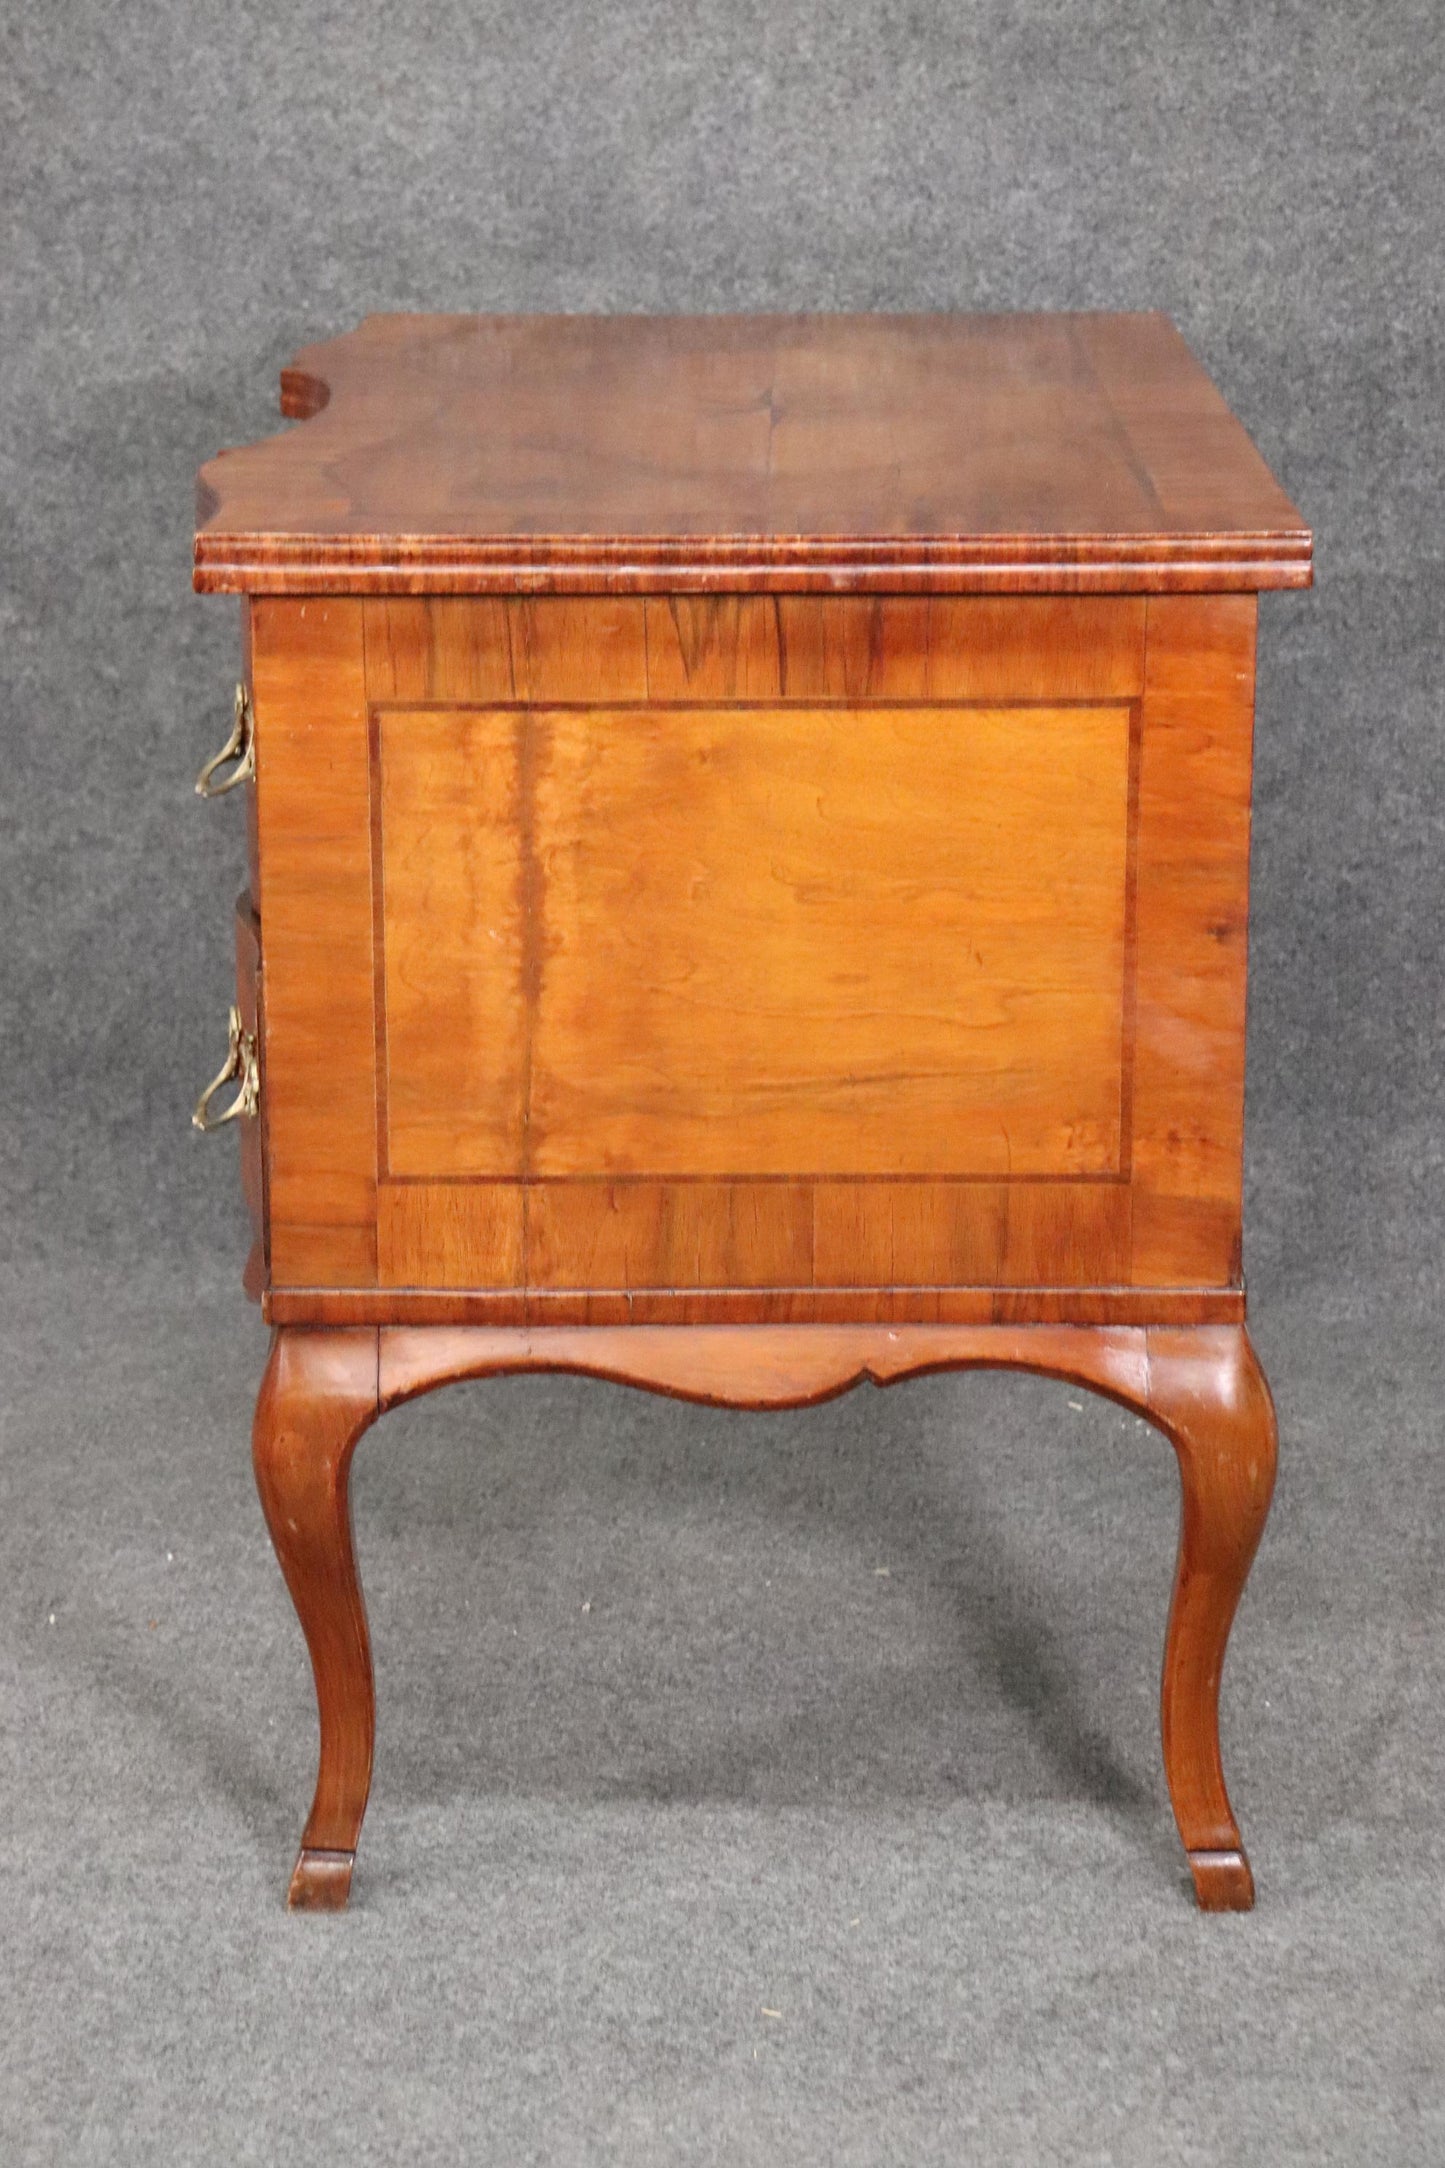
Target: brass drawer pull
[(240, 1065), (240, 747)]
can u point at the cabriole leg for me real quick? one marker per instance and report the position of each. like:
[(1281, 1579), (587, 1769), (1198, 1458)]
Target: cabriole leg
[(1201, 1385), (317, 1397), (1207, 1391)]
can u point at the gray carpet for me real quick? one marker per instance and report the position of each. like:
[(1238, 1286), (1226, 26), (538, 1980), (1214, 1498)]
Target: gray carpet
[(688, 1717), (748, 1788)]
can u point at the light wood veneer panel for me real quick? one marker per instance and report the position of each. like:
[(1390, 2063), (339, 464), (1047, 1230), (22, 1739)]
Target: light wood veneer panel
[(480, 650), (644, 1237), (669, 1234), (313, 813), (1192, 938), (457, 994), (1174, 1224), (798, 941), (451, 1234), (971, 1234)]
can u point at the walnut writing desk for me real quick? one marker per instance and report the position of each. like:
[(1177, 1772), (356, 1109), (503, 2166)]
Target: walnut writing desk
[(749, 876)]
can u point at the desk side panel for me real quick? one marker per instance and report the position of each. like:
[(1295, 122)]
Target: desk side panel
[(465, 1219), (1163, 1230)]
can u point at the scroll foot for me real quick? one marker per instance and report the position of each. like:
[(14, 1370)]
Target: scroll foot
[(321, 1881), (1222, 1881)]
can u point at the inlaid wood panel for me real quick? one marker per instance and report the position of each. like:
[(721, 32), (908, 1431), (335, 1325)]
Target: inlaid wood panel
[(754, 941), (479, 650), (591, 648), (450, 647), (551, 648), (714, 647), (670, 1234), (550, 870), (949, 1234), (451, 1234), (900, 647), (851, 1238), (812, 941)]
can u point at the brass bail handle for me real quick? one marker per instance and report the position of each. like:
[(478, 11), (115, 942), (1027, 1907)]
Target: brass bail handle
[(240, 747), (240, 1066)]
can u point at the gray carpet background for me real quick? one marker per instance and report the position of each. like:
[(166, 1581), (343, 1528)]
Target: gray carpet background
[(663, 1747)]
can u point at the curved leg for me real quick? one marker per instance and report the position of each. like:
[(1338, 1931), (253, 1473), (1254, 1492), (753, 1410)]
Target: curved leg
[(1207, 1391), (317, 1397), (1202, 1385)]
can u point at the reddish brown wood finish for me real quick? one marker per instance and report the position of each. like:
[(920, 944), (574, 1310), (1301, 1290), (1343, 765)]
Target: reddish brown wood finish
[(317, 1397), (1011, 454), (1203, 1388), (1207, 1392), (457, 818), (252, 1127), (748, 1366), (313, 817), (647, 928), (750, 858), (853, 1305)]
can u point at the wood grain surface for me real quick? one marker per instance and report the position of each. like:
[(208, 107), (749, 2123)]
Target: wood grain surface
[(317, 1397), (1207, 1392), (662, 953), (313, 818), (754, 941), (1202, 1387), (488, 454), (679, 647), (251, 1129), (1192, 936), (749, 895), (1033, 1304)]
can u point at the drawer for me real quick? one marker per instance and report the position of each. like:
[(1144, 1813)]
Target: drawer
[(234, 1095), (233, 768), (252, 1128)]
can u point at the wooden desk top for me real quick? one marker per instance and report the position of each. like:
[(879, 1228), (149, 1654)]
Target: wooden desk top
[(577, 454)]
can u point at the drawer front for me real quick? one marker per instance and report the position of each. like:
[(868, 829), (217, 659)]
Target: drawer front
[(638, 949), (248, 794), (252, 1129)]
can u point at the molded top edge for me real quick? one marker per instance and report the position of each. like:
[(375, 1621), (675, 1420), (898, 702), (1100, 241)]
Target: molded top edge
[(1045, 453)]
